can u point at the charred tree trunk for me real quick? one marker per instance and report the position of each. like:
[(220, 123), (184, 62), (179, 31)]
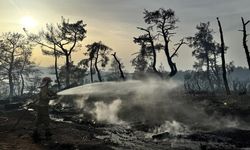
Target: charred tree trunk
[(224, 71), (22, 82), (173, 68), (245, 40), (120, 66), (11, 84), (151, 40), (56, 69), (216, 72), (21, 75), (91, 70), (57, 75), (96, 66), (208, 72), (154, 64), (154, 56), (67, 71)]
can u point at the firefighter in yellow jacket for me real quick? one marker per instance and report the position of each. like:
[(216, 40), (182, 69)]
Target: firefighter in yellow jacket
[(42, 108)]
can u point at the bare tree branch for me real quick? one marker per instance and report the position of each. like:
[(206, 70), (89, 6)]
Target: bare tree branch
[(178, 47)]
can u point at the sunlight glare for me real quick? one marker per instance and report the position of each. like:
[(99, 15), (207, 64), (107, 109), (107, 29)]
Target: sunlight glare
[(28, 22)]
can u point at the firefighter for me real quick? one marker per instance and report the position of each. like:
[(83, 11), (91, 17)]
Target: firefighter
[(42, 106)]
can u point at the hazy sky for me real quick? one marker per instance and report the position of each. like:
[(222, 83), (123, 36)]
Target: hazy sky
[(114, 22)]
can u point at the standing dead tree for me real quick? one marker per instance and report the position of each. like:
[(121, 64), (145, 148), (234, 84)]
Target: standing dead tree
[(203, 45), (25, 68), (224, 72), (98, 52), (119, 65), (13, 48), (61, 40), (48, 46), (165, 23), (149, 38), (244, 24)]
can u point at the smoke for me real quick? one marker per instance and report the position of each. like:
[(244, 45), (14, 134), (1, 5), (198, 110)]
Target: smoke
[(174, 128), (153, 102), (107, 112)]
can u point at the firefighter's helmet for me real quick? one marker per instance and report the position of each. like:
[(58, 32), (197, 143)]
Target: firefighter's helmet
[(45, 81)]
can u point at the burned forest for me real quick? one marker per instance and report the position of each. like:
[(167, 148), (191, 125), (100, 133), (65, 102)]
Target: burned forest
[(114, 75)]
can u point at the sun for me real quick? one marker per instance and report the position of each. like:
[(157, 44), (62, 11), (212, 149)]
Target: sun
[(28, 22)]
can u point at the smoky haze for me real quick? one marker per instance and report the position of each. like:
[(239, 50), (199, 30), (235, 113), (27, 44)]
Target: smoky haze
[(115, 22), (153, 102)]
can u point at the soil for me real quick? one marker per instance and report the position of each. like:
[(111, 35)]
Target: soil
[(71, 133)]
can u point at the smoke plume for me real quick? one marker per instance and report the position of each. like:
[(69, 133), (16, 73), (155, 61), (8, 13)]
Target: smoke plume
[(154, 102), (107, 112)]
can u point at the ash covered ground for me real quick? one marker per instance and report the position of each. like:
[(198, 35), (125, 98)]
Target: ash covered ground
[(134, 115)]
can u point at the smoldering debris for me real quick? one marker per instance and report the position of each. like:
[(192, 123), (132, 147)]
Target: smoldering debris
[(173, 128), (147, 115), (152, 102)]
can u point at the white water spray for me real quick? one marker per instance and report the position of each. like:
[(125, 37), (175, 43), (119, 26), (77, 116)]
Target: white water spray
[(155, 102)]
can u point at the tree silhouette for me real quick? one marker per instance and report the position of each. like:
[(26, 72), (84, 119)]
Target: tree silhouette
[(165, 23), (215, 67), (97, 52), (14, 49), (224, 72), (119, 66), (244, 24), (56, 54), (25, 68), (203, 45), (142, 59), (148, 41), (47, 40), (62, 41), (78, 72)]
